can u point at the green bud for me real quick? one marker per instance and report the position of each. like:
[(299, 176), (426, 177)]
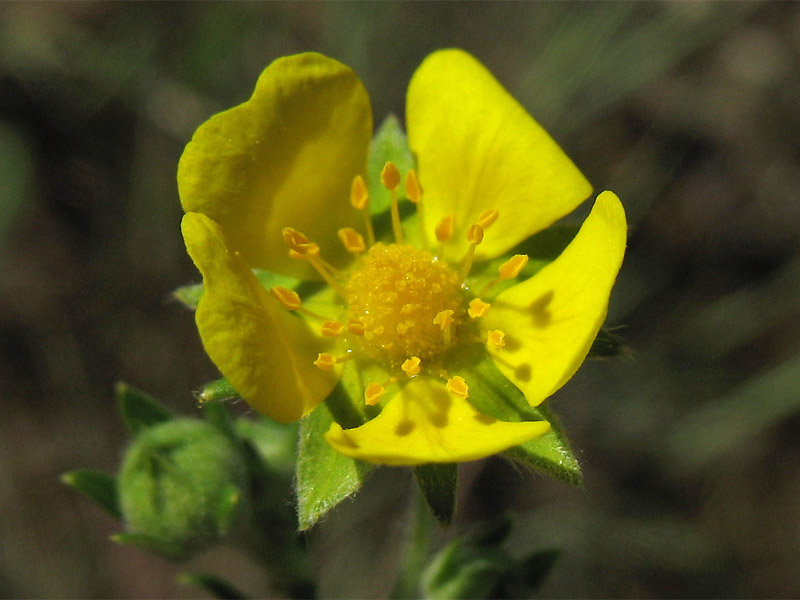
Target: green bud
[(182, 487)]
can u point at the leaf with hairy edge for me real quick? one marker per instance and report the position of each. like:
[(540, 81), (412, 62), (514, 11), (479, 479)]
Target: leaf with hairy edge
[(99, 487), (325, 477), (495, 395)]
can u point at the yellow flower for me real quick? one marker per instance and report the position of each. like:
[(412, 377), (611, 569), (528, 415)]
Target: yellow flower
[(277, 184)]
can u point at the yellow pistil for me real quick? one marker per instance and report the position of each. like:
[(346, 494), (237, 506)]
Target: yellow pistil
[(395, 294), (352, 241), (359, 199), (458, 386), (496, 339), (390, 178), (373, 393), (411, 366), (444, 319), (477, 308), (474, 237), (332, 328)]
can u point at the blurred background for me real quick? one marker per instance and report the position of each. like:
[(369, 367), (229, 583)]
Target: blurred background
[(690, 445)]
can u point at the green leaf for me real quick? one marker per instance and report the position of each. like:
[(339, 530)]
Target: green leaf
[(324, 477), (492, 393), (139, 410), (608, 344), (389, 143), (99, 487), (216, 586), (438, 483)]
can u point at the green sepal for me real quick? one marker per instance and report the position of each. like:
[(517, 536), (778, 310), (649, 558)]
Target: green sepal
[(493, 394), (189, 295), (216, 391), (325, 477), (216, 414), (532, 571), (139, 410), (389, 144), (608, 344), (99, 487), (438, 483), (214, 585)]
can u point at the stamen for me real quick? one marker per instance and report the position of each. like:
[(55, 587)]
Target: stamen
[(487, 218), (301, 247), (411, 366), (390, 178), (496, 339), (332, 328), (444, 230), (475, 237), (325, 361), (359, 198), (355, 326), (352, 241), (444, 319), (477, 308), (508, 270), (414, 194), (373, 393), (458, 386), (288, 298)]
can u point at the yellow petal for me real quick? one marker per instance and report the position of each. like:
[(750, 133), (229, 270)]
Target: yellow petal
[(551, 320), (284, 158), (264, 351), (478, 149), (424, 423)]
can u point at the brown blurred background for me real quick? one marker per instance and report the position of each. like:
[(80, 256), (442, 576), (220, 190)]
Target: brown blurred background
[(689, 111)]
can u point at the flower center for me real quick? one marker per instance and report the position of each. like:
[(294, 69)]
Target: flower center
[(402, 296)]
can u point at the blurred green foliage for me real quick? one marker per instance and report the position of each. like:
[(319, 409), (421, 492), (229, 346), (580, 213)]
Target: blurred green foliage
[(688, 110)]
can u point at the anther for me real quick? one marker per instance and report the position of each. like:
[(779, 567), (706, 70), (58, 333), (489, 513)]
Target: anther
[(508, 270), (477, 308), (512, 267), (288, 298), (414, 194), (496, 339), (359, 199), (373, 393), (444, 319), (332, 328), (390, 178), (301, 247), (474, 237), (355, 326), (444, 230), (411, 366), (325, 361), (487, 218), (295, 240), (458, 386), (352, 241)]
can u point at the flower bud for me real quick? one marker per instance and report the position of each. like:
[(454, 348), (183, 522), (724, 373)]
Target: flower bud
[(182, 487)]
